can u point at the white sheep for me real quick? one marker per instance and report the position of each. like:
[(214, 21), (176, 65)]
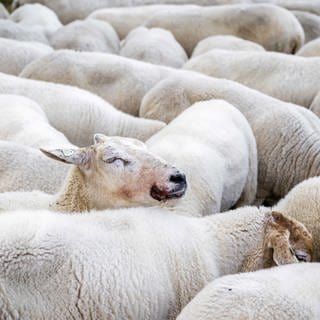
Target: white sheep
[(213, 144), (282, 293), (272, 27), (269, 72), (311, 49), (86, 35), (77, 113), (4, 14), (310, 23), (121, 81), (288, 136), (15, 55), (16, 31), (37, 17), (153, 45), (303, 204), (133, 16), (24, 168), (23, 121), (225, 43), (115, 172), (142, 263)]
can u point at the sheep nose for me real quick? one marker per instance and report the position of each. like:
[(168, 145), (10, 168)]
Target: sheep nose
[(178, 178)]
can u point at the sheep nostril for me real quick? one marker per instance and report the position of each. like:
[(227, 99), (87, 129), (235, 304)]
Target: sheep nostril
[(178, 178)]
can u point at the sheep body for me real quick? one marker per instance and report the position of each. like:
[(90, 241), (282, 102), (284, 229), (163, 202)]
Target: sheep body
[(225, 43), (274, 28), (282, 293), (16, 55), (77, 113), (264, 71), (36, 16), (25, 169), (311, 49), (310, 23), (121, 81), (214, 145), (90, 258), (86, 35), (287, 136), (153, 45)]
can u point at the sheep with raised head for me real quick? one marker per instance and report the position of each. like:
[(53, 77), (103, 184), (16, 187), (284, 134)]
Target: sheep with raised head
[(153, 45), (311, 49), (267, 72), (282, 293), (37, 17), (287, 136), (16, 55), (24, 168), (138, 263), (270, 26), (77, 113), (310, 24), (86, 35), (225, 43), (213, 144), (114, 172), (121, 81)]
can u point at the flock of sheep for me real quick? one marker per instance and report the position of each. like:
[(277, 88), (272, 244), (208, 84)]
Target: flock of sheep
[(155, 155)]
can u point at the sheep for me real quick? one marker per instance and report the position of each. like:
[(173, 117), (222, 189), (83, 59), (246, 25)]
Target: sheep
[(226, 43), (138, 263), (3, 12), (15, 55), (153, 45), (268, 72), (16, 31), (37, 17), (77, 113), (114, 172), (311, 49), (287, 136), (121, 81), (213, 144), (133, 16), (23, 121), (24, 168), (310, 23), (282, 293), (274, 28), (87, 35), (303, 204)]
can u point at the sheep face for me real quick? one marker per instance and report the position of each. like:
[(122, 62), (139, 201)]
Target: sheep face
[(121, 172), (287, 241)]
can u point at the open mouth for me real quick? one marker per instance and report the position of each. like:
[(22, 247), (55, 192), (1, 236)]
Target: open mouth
[(163, 195)]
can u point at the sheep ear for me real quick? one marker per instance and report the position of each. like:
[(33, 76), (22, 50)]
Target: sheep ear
[(281, 219), (78, 157), (280, 244), (99, 138)]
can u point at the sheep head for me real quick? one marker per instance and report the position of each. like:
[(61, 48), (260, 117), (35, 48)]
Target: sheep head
[(121, 172), (287, 241)]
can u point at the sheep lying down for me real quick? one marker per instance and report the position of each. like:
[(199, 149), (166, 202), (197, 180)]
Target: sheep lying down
[(114, 172), (284, 293), (138, 263)]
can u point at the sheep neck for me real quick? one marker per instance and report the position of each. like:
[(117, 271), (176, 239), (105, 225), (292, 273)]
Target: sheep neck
[(74, 196), (240, 240)]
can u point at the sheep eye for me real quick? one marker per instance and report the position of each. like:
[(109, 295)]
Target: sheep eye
[(113, 159), (303, 257)]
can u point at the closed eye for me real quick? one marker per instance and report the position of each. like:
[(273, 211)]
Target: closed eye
[(301, 256), (113, 159)]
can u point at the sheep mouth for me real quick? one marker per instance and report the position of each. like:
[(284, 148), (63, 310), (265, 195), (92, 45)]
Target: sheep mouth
[(163, 194)]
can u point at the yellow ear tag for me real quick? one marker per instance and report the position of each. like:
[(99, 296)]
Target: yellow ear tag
[(67, 152)]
